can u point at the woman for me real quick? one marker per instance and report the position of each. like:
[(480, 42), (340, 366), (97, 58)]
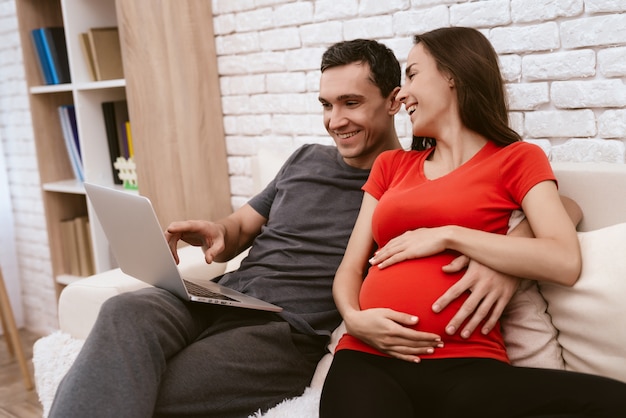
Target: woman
[(453, 193)]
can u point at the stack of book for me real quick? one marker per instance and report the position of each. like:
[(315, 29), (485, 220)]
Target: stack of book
[(119, 138), (102, 52), (67, 115), (76, 239), (51, 52)]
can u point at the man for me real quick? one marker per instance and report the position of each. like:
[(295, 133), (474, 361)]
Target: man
[(152, 354)]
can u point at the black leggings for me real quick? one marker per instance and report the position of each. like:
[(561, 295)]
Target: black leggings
[(364, 385)]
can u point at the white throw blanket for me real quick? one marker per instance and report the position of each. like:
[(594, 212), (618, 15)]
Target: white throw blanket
[(53, 355)]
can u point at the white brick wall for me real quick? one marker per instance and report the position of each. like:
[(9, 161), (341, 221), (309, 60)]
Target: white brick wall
[(35, 270), (564, 62)]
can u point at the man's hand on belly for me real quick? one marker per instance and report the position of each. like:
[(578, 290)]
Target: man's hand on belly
[(490, 291)]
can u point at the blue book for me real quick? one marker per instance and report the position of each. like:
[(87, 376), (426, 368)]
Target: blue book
[(47, 49), (71, 141), (41, 56)]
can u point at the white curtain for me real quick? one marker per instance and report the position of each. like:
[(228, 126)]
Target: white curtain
[(8, 253)]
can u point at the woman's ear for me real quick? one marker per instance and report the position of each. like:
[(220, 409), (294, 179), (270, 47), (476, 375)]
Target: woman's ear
[(451, 82)]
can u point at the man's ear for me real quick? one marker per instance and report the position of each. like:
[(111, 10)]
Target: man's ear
[(394, 104)]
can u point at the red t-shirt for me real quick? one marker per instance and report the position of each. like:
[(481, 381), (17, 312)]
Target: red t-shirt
[(480, 194)]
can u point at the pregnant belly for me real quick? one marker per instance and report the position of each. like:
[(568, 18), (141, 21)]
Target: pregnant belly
[(412, 287)]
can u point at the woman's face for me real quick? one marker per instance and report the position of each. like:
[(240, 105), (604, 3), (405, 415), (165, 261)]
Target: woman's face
[(428, 95)]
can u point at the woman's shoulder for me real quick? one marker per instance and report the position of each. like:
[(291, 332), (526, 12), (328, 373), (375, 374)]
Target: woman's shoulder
[(522, 150)]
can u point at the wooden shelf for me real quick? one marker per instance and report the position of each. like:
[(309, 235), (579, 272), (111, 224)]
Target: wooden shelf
[(174, 106)]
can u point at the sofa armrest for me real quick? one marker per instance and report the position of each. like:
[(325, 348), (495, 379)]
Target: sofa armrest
[(80, 301)]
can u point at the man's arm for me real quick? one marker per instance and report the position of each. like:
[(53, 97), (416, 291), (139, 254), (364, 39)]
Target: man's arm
[(490, 290), (220, 240)]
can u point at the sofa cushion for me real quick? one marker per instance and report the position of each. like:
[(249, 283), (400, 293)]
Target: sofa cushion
[(528, 332), (590, 315)]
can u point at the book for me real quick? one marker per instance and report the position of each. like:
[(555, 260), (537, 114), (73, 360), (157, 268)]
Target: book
[(121, 117), (108, 112), (115, 115), (77, 248), (52, 54), (105, 49), (70, 253), (67, 116), (129, 139), (88, 55), (54, 39), (83, 246), (43, 63)]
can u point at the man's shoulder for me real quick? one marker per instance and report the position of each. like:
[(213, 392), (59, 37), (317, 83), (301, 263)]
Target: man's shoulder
[(318, 149), (313, 154)]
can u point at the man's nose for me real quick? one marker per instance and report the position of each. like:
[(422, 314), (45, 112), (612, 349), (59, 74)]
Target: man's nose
[(337, 119)]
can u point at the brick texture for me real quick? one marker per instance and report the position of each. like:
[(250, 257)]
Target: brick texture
[(563, 62)]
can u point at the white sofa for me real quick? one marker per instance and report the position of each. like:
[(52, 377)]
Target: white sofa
[(579, 328)]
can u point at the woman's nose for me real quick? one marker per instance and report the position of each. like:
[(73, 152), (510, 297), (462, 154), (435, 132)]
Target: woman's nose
[(401, 96)]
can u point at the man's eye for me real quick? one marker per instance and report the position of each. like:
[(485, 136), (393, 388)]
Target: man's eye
[(352, 103), (326, 105)]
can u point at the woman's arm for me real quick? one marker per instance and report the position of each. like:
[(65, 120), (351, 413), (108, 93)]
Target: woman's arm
[(384, 329), (553, 255)]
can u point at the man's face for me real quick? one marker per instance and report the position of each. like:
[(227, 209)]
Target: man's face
[(356, 116)]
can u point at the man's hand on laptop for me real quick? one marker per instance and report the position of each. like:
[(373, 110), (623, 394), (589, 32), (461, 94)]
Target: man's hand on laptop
[(205, 234)]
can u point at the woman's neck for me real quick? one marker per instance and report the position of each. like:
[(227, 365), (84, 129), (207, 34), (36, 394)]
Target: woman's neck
[(453, 150)]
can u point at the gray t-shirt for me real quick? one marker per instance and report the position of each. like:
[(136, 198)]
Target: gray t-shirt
[(311, 207)]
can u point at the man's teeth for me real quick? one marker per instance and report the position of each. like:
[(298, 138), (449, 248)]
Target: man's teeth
[(411, 109), (346, 136)]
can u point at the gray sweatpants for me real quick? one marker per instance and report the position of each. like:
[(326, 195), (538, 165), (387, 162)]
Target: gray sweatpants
[(151, 354)]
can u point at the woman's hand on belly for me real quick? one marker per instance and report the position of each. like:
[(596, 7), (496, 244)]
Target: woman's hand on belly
[(390, 332), (417, 243)]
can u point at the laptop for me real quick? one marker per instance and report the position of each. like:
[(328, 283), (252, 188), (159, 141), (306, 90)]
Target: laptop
[(139, 246)]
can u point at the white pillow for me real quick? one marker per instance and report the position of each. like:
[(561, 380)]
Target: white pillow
[(591, 315), (529, 336)]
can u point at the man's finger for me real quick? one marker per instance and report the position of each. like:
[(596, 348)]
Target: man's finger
[(451, 294), (467, 309), (496, 313), (479, 316), (457, 264)]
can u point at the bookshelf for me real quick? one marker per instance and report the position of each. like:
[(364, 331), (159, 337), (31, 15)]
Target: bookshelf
[(179, 151)]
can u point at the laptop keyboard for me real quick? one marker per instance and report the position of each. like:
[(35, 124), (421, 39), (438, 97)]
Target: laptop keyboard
[(198, 290)]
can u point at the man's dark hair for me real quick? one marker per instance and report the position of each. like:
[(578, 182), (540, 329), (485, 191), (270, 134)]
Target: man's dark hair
[(384, 66)]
